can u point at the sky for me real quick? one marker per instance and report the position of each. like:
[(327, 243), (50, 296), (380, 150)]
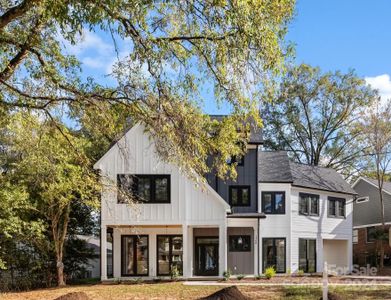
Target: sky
[(332, 34)]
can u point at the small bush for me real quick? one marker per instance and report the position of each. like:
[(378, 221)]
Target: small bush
[(227, 275), (270, 272), (300, 273), (174, 274), (289, 272), (240, 276)]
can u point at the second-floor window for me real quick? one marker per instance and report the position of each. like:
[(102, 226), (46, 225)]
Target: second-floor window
[(308, 204), (239, 195), (336, 207), (273, 202), (145, 188)]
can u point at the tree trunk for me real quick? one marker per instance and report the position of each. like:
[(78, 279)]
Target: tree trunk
[(60, 271)]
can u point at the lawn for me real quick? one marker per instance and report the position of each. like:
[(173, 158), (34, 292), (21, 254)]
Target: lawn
[(179, 291)]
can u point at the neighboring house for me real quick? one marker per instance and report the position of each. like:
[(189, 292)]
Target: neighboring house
[(277, 213), (367, 218)]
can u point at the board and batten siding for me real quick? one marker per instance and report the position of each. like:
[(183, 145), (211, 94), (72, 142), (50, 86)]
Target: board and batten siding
[(135, 153)]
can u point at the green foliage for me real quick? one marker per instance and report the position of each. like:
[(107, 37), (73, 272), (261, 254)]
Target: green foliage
[(240, 276), (270, 272), (175, 273), (227, 274), (300, 273), (313, 116)]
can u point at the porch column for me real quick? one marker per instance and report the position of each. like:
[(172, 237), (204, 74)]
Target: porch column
[(187, 251), (256, 251), (103, 253), (222, 248)]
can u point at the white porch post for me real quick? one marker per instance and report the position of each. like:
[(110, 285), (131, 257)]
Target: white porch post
[(256, 263), (103, 253), (222, 248), (186, 254)]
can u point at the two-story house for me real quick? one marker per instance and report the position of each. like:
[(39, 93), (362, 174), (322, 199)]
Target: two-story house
[(277, 213), (367, 219)]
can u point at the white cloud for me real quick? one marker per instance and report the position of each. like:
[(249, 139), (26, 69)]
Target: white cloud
[(382, 83)]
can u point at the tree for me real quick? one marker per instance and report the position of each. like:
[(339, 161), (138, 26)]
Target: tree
[(376, 126), (312, 116), (175, 48)]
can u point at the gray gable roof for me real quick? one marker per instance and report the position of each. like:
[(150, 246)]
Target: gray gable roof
[(275, 166), (386, 184)]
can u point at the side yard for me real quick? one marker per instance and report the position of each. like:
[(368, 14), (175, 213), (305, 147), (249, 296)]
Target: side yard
[(179, 291)]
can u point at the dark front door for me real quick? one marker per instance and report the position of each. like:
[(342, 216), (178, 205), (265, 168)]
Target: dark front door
[(207, 256)]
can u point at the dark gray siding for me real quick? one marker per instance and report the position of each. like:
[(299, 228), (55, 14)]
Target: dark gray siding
[(366, 213), (247, 175), (241, 262)]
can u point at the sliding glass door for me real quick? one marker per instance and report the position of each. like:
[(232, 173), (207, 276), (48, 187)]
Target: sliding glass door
[(307, 255), (274, 254), (134, 255), (170, 253)]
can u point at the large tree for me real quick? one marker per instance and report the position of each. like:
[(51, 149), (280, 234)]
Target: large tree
[(175, 48), (313, 115)]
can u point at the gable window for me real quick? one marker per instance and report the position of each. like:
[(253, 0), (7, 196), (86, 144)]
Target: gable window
[(239, 160), (273, 202), (239, 195), (309, 204), (170, 254), (146, 188), (355, 236), (239, 243), (371, 234), (336, 207), (362, 199), (307, 255)]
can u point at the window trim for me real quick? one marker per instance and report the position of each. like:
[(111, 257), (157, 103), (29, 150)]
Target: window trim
[(134, 237), (362, 199), (337, 201), (239, 187), (153, 178), (274, 245), (273, 193), (353, 236), (316, 256), (170, 237), (230, 237), (309, 204), (367, 241)]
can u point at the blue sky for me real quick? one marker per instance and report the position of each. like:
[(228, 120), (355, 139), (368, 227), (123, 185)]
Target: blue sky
[(331, 34)]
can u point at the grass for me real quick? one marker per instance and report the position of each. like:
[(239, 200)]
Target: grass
[(176, 290)]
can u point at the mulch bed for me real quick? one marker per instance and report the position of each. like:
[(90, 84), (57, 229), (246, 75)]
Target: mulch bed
[(74, 296), (331, 296), (229, 293)]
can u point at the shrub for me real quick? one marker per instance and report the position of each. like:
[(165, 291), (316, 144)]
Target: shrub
[(174, 274), (240, 276), (270, 272), (300, 273), (227, 275)]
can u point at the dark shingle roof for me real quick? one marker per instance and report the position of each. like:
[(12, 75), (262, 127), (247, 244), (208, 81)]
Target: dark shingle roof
[(276, 167), (255, 131), (386, 184)]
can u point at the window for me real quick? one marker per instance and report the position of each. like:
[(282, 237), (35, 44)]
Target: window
[(274, 254), (355, 236), (371, 234), (170, 254), (239, 160), (239, 243), (336, 207), (307, 255), (146, 188), (239, 195), (273, 202), (134, 255), (308, 204), (362, 199)]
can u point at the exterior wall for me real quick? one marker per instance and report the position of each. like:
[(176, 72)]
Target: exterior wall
[(361, 215), (135, 154), (241, 262), (247, 175)]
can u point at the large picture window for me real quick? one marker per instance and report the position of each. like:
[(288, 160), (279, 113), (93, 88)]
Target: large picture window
[(146, 188), (274, 254), (239, 195), (273, 202), (170, 254), (307, 255), (336, 207), (308, 204), (134, 255)]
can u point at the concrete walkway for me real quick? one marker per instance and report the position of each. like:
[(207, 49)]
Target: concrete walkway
[(371, 282)]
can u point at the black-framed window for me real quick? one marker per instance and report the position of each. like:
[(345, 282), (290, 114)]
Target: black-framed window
[(169, 254), (134, 255), (336, 207), (239, 195), (146, 188), (273, 203), (239, 160), (239, 243), (371, 234), (307, 255), (308, 204), (274, 254)]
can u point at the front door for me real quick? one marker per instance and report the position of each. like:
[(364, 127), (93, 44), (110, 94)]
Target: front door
[(207, 256)]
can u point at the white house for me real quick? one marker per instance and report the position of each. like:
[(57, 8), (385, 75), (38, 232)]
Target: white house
[(277, 213)]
